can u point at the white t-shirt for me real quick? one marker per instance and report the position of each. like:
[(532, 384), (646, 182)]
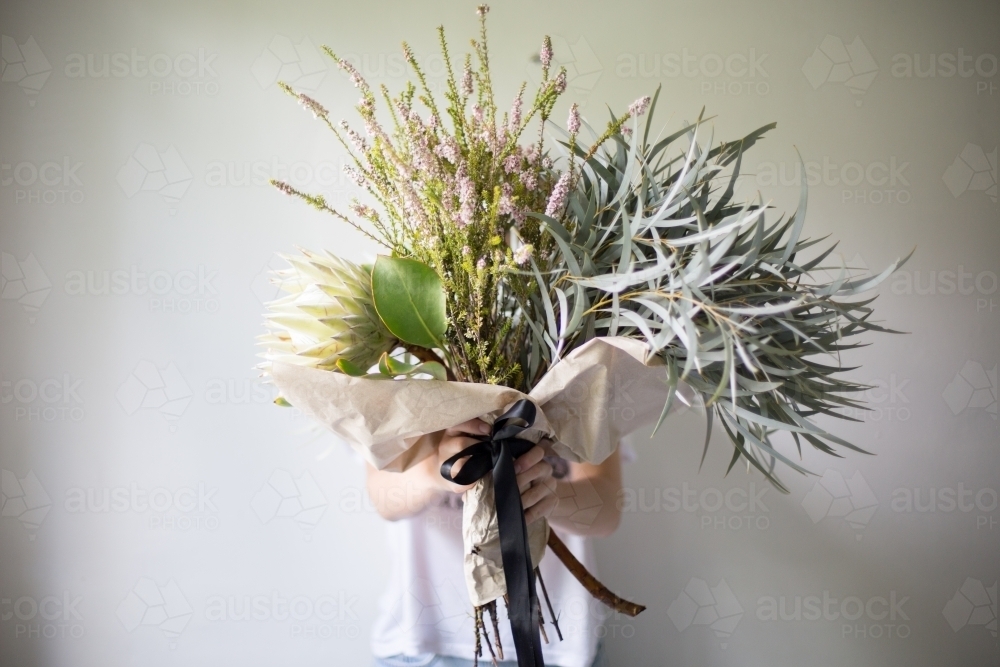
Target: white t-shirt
[(426, 607)]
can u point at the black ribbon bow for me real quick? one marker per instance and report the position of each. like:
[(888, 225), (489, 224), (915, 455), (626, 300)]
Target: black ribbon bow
[(496, 452)]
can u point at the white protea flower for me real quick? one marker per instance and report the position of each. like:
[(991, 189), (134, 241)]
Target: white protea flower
[(327, 315)]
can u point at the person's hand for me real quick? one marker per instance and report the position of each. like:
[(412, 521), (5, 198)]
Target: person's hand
[(455, 440), (534, 475), (537, 486)]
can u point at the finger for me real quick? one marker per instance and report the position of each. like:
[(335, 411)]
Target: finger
[(528, 459), (535, 494), (451, 445), (540, 471), (472, 427), (542, 509)]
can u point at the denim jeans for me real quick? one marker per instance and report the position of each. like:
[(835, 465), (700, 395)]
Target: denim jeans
[(430, 660)]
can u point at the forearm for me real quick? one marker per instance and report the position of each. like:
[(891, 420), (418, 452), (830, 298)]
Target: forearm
[(588, 499), (400, 495)]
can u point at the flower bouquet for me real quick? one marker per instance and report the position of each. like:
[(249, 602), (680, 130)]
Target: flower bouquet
[(527, 277)]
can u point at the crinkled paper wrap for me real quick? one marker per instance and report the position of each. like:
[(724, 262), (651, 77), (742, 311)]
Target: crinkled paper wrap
[(587, 403)]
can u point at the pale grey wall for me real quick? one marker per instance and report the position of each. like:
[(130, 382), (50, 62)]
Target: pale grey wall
[(903, 160)]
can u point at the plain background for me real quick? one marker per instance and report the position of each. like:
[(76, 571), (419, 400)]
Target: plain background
[(142, 389)]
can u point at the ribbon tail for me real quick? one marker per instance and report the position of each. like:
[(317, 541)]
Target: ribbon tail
[(519, 574)]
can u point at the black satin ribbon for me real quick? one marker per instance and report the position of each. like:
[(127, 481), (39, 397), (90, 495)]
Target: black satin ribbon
[(496, 452)]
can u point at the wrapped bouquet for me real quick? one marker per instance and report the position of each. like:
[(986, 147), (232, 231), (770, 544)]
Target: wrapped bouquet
[(531, 270)]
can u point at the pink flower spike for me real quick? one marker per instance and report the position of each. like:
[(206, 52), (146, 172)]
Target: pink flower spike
[(560, 82), (639, 107), (523, 254), (573, 122), (545, 55), (557, 200)]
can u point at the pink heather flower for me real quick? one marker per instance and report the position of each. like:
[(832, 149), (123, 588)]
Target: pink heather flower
[(481, 264), (529, 179), (573, 122), (545, 55), (506, 204), (465, 215), (356, 77), (466, 250), (520, 214), (466, 188), (359, 142), (308, 103), (362, 210), (547, 162), (626, 131), (523, 254), (467, 198), (639, 107), (557, 200), (561, 81), (477, 113), (467, 80), (514, 119), (355, 175), (531, 153), (448, 149), (284, 187), (511, 163)]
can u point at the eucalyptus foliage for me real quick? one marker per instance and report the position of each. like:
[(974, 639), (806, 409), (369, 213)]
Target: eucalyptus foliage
[(653, 245)]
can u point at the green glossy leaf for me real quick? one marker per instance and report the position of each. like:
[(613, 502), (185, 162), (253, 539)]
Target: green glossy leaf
[(348, 368), (409, 297)]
